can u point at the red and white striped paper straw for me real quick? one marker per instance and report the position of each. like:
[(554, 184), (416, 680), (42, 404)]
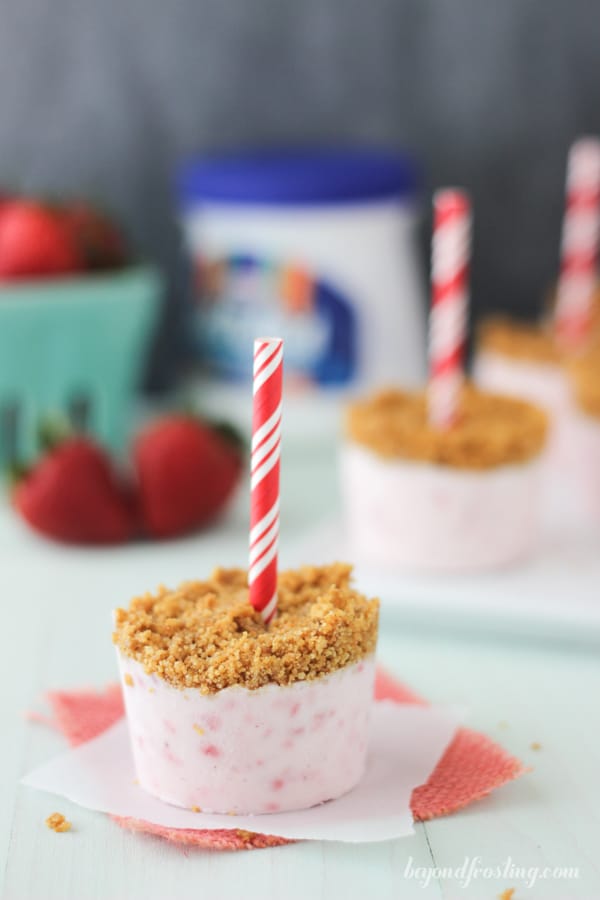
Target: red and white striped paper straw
[(264, 478), (579, 248), (450, 258)]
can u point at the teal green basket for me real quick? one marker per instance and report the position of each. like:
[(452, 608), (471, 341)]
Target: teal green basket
[(73, 345)]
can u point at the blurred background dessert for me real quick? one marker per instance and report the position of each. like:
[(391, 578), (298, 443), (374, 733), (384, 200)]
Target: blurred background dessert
[(522, 359), (583, 443), (421, 499)]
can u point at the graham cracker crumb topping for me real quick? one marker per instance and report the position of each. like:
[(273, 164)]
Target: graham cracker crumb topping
[(584, 373), (492, 430), (205, 634), (524, 341)]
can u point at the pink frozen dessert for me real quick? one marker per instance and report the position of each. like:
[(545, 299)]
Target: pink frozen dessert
[(524, 360), (583, 444), (460, 499), (228, 714)]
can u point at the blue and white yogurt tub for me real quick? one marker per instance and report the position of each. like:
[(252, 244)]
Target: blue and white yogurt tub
[(317, 247)]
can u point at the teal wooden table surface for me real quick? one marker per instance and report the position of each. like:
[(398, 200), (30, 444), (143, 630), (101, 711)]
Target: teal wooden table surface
[(538, 698)]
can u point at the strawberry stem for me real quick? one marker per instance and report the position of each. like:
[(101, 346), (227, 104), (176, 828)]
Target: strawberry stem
[(231, 434), (53, 431), (15, 473)]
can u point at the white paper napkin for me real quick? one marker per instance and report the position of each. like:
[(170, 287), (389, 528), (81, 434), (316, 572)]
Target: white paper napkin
[(406, 743)]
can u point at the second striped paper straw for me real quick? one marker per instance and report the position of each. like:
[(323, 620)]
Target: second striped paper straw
[(579, 249), (264, 477), (450, 258)]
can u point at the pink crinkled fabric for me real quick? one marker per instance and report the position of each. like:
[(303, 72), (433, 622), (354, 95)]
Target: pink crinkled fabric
[(472, 766)]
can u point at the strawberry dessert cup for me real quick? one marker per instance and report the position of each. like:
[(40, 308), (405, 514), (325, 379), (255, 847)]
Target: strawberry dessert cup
[(524, 360), (228, 714), (583, 437), (462, 499)]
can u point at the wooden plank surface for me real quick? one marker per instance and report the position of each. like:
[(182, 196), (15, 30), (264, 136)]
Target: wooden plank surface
[(57, 603)]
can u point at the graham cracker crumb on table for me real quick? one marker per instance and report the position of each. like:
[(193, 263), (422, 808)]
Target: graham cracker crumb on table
[(492, 430), (535, 746), (206, 635), (57, 822), (507, 894), (128, 679), (196, 809), (524, 341)]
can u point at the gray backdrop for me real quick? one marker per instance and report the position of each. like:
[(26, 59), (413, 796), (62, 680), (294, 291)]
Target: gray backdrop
[(105, 95)]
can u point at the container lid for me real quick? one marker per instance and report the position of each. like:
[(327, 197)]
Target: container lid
[(291, 177)]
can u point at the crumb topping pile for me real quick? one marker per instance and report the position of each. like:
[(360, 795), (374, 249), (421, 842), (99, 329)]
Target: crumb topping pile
[(584, 372), (206, 635), (529, 342), (492, 430), (57, 822)]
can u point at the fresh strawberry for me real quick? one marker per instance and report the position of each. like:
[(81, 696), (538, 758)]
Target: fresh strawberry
[(35, 241), (187, 471), (73, 495), (102, 243)]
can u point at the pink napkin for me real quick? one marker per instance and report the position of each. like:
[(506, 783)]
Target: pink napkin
[(471, 767)]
